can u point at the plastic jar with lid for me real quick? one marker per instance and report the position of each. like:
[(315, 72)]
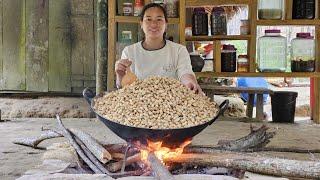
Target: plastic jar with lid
[(218, 21), (303, 53), (243, 63), (272, 48), (303, 9), (199, 22), (228, 58), (244, 27), (270, 9)]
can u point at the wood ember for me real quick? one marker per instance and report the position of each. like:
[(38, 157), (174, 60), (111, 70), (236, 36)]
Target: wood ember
[(262, 165)]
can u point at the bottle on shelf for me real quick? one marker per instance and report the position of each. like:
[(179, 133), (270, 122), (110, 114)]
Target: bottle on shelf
[(243, 63), (272, 48), (199, 22), (218, 21), (270, 9), (127, 9), (228, 58), (138, 6), (303, 53), (303, 9)]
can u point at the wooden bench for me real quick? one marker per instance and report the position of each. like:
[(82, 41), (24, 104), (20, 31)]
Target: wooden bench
[(251, 93)]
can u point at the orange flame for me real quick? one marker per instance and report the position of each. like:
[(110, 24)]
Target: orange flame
[(162, 152)]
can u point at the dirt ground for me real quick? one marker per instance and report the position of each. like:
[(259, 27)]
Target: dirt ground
[(15, 159)]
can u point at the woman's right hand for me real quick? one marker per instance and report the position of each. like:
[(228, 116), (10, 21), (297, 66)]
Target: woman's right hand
[(121, 67)]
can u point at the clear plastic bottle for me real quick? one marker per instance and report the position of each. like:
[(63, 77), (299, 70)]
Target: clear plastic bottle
[(272, 48), (270, 9), (303, 53)]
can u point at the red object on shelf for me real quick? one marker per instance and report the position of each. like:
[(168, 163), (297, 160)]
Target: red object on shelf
[(311, 96)]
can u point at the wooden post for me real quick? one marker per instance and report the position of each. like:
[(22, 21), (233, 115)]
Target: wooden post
[(253, 32), (182, 24), (217, 55), (111, 44), (102, 46)]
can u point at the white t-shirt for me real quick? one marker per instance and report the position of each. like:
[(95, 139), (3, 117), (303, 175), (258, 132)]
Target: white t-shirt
[(172, 60)]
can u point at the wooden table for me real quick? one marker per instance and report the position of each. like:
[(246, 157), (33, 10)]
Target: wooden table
[(252, 91)]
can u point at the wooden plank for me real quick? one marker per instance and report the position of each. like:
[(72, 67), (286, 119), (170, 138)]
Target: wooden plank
[(229, 89), (216, 2), (253, 31), (302, 22), (257, 74), (218, 37), (1, 43), (250, 105), (59, 46), (182, 20), (316, 110), (111, 45), (288, 9), (82, 7), (134, 19), (37, 16), (82, 52), (14, 37), (259, 107), (217, 56)]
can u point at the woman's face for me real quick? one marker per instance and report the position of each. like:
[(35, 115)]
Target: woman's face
[(154, 23)]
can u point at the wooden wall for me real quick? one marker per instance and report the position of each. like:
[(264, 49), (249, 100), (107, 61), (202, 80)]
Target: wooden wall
[(47, 45)]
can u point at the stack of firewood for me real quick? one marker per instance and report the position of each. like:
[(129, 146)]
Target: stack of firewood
[(117, 160)]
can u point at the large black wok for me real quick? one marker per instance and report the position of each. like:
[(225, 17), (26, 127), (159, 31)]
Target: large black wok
[(170, 137)]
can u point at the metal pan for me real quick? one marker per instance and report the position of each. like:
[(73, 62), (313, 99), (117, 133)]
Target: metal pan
[(170, 137)]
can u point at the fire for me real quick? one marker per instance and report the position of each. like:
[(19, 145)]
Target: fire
[(162, 152)]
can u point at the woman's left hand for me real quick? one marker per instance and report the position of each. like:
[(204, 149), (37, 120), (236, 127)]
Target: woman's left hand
[(190, 82)]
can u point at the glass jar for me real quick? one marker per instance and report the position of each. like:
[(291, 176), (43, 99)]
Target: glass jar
[(127, 9), (243, 63), (272, 48), (171, 7), (303, 53), (270, 9), (199, 22), (218, 21), (244, 27), (208, 65), (303, 9), (228, 58)]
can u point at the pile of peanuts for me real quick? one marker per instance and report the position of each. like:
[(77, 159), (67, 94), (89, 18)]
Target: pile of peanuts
[(156, 103)]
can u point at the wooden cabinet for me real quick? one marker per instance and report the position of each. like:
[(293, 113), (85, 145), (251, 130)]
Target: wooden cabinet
[(252, 5)]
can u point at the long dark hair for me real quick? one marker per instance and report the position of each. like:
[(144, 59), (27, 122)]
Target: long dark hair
[(151, 5)]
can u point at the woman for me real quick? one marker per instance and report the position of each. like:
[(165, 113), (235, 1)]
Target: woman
[(155, 56)]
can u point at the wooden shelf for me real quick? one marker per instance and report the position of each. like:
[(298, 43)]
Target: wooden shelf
[(302, 22), (195, 3), (257, 74), (218, 37), (135, 19)]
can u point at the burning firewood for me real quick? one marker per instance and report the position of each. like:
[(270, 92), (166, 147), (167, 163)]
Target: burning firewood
[(161, 172), (116, 166)]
